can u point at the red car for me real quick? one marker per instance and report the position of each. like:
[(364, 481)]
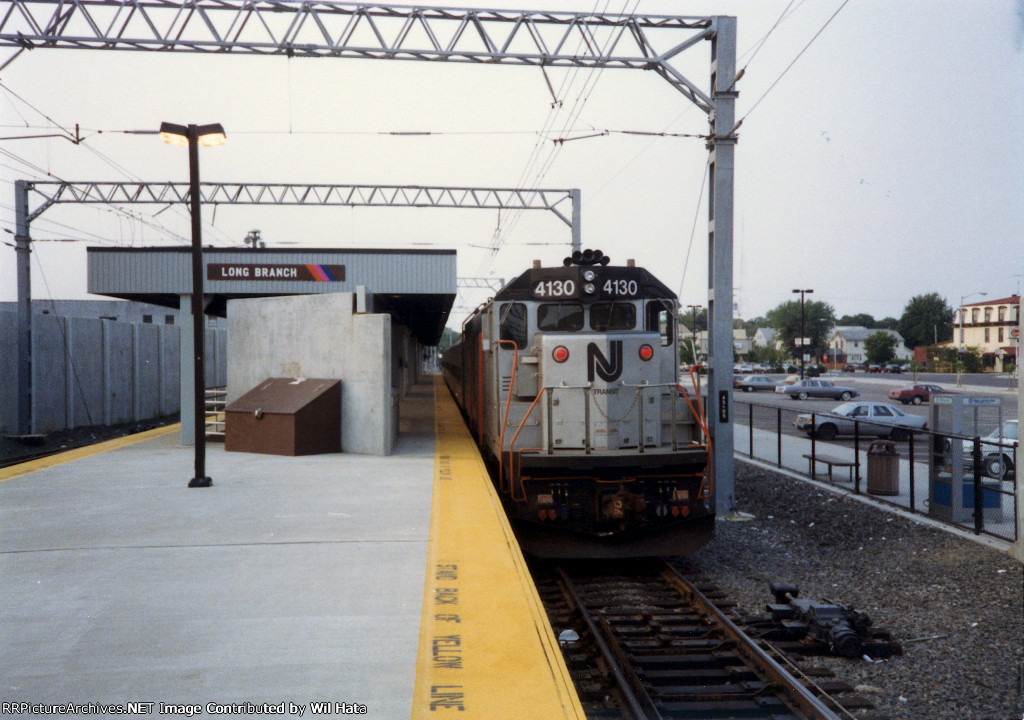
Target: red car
[(918, 394)]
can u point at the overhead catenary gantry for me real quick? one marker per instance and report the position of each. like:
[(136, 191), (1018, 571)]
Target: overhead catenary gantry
[(299, 28), (53, 192)]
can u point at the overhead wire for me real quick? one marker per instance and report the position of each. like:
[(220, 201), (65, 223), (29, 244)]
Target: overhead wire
[(108, 160), (570, 119), (787, 12), (793, 62)]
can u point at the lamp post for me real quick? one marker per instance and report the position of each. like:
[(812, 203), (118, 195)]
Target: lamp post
[(193, 136), (960, 340), (693, 333), (803, 333)]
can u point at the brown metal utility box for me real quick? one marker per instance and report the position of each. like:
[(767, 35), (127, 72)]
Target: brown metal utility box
[(286, 416)]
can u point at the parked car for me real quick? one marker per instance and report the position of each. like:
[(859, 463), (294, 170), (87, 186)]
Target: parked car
[(874, 368), (809, 388), (742, 369), (870, 418), (849, 367), (893, 368), (781, 385), (750, 383), (998, 449), (917, 394)]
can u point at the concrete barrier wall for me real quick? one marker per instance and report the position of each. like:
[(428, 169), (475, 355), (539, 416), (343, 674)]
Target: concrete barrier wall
[(8, 371), (318, 336), (84, 369), (98, 372), (49, 375)]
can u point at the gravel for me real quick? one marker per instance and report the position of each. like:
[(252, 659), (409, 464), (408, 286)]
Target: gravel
[(954, 604)]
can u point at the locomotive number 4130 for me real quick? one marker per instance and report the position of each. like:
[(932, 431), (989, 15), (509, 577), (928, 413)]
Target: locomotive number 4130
[(620, 287), (555, 288)]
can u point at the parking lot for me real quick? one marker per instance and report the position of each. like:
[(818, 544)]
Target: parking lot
[(781, 411)]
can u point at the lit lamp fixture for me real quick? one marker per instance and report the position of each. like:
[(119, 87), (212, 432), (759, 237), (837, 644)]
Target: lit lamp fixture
[(193, 136)]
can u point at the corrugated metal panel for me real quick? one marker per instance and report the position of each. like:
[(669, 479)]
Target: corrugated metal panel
[(152, 271)]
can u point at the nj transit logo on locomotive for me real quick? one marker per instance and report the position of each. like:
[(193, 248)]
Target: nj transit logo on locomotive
[(596, 361)]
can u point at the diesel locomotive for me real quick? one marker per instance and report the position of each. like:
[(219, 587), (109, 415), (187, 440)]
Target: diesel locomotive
[(569, 381)]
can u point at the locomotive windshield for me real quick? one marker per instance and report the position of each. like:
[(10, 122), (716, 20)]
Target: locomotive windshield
[(612, 316), (564, 317), (513, 323)]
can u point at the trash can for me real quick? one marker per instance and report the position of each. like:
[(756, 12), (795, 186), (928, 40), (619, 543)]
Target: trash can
[(883, 468)]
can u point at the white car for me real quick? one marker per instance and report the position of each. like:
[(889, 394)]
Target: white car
[(998, 449), (870, 418)]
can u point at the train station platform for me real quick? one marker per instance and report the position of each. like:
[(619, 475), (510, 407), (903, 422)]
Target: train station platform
[(335, 585)]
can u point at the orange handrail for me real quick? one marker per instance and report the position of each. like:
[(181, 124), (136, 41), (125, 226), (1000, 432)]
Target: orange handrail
[(702, 421), (512, 444), (504, 420)]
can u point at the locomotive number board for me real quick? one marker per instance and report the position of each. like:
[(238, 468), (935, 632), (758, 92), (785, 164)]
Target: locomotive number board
[(572, 284)]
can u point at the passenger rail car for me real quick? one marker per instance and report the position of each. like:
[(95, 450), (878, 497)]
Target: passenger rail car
[(569, 381)]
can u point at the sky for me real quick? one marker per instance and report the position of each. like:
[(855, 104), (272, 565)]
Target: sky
[(886, 162)]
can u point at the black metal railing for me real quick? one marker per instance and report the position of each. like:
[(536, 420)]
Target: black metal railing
[(977, 501)]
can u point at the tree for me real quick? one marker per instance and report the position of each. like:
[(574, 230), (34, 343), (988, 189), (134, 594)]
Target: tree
[(972, 360), (926, 319), (448, 338), (888, 323), (686, 316), (785, 318), (858, 320), (880, 347)]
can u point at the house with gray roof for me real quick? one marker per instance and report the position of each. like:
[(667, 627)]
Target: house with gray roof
[(848, 341)]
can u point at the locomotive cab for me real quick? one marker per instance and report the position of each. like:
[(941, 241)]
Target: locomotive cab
[(569, 380)]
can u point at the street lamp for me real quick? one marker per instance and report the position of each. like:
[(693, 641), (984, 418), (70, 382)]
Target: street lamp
[(960, 340), (693, 332), (193, 136), (803, 334)]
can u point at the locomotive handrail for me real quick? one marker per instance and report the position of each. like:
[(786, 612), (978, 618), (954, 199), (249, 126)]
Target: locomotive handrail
[(504, 420), (702, 421), (548, 389), (512, 444)]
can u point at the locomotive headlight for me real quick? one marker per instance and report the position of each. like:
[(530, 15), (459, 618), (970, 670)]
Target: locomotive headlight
[(646, 352), (589, 275), (588, 288), (560, 354)]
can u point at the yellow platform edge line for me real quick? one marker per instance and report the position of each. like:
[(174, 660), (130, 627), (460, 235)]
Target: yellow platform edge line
[(469, 663), (32, 466)]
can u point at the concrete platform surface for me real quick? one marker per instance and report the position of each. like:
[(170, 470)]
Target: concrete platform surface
[(291, 580)]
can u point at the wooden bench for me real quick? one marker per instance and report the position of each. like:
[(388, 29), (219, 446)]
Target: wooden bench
[(829, 460)]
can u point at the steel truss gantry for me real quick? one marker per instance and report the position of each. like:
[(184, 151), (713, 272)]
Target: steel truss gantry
[(307, 28), (168, 193), (53, 192), (300, 28)]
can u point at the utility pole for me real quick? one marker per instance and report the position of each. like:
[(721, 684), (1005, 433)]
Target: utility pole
[(23, 248), (803, 331)]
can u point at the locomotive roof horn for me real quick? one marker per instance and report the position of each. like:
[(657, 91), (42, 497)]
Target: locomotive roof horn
[(587, 257)]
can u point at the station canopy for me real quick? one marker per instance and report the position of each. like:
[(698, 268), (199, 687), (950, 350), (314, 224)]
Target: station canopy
[(416, 287)]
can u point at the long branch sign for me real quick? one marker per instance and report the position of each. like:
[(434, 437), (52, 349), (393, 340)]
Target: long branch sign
[(286, 273)]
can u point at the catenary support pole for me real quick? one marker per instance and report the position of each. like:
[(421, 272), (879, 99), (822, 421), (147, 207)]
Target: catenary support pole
[(722, 145), (577, 214), (23, 249), (1018, 546)]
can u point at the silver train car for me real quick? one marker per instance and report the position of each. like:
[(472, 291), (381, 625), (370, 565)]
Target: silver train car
[(569, 381)]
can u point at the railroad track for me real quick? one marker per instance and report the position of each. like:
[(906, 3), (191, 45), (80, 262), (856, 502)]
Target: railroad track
[(646, 643)]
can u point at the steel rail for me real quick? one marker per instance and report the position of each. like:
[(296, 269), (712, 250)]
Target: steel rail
[(785, 683), (638, 701)]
